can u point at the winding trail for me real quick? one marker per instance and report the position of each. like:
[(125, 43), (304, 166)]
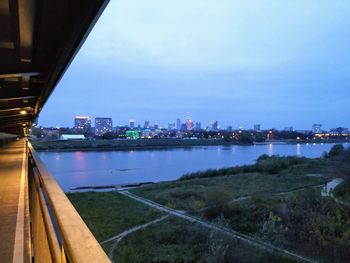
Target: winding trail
[(224, 230), (327, 190), (295, 190), (120, 236)]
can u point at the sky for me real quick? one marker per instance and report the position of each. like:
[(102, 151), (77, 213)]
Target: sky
[(274, 63)]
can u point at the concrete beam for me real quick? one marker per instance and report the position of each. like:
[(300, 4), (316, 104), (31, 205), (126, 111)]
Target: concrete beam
[(26, 16)]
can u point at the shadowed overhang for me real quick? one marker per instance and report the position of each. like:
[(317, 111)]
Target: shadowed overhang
[(38, 40)]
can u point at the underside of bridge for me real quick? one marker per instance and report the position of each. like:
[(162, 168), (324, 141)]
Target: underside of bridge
[(38, 40)]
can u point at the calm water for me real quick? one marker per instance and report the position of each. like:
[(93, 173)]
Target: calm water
[(72, 169)]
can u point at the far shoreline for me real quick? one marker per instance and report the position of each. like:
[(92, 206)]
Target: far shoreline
[(162, 144)]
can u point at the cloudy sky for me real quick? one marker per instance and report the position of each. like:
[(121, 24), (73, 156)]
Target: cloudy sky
[(276, 63)]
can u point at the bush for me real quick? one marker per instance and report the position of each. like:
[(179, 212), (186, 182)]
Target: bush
[(264, 164), (217, 202), (336, 150), (274, 164)]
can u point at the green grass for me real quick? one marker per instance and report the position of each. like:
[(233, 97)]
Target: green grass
[(176, 240), (110, 213), (188, 195), (299, 219), (342, 191)]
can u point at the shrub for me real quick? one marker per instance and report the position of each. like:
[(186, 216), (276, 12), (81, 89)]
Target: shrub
[(336, 150), (217, 201)]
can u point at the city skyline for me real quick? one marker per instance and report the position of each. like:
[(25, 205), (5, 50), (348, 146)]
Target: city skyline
[(105, 124), (286, 67)]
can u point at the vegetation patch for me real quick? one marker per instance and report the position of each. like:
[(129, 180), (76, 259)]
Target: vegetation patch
[(176, 240), (342, 191), (110, 213)]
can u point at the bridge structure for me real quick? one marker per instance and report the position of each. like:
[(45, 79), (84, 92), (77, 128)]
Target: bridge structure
[(38, 41)]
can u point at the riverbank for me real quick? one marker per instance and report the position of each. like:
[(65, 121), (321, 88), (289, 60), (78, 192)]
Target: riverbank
[(147, 144), (124, 144), (276, 202)]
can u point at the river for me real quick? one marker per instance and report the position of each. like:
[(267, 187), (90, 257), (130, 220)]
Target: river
[(79, 168)]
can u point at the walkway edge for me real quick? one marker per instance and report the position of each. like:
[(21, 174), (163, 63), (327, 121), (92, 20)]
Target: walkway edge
[(18, 253)]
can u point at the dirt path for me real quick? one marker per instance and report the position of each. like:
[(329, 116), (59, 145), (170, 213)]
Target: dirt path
[(327, 190), (120, 236), (227, 231), (295, 190)]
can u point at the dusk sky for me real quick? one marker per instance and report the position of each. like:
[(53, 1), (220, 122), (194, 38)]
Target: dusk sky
[(274, 63)]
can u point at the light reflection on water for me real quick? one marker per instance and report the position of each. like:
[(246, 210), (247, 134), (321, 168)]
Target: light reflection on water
[(72, 169)]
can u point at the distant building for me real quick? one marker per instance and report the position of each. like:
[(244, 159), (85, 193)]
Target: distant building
[(132, 134), (289, 129), (171, 126), (229, 128), (132, 124), (156, 126), (198, 126), (65, 137), (146, 124), (103, 125), (183, 127), (339, 131), (188, 124), (214, 126), (121, 130), (82, 124), (257, 127), (178, 124), (316, 128)]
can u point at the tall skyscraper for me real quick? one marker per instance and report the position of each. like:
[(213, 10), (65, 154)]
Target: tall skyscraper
[(178, 124), (188, 124), (146, 124), (103, 125), (82, 124), (132, 124)]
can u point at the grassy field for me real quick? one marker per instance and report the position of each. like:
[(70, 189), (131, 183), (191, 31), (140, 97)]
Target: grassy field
[(109, 213), (277, 201), (283, 206), (342, 192), (191, 194), (176, 240)]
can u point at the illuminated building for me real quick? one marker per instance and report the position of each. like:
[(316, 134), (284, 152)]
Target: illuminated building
[(82, 124), (188, 124), (146, 125), (214, 126), (103, 125), (132, 134), (132, 124)]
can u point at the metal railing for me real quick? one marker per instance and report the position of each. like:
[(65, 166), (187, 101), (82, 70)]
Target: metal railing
[(58, 233)]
